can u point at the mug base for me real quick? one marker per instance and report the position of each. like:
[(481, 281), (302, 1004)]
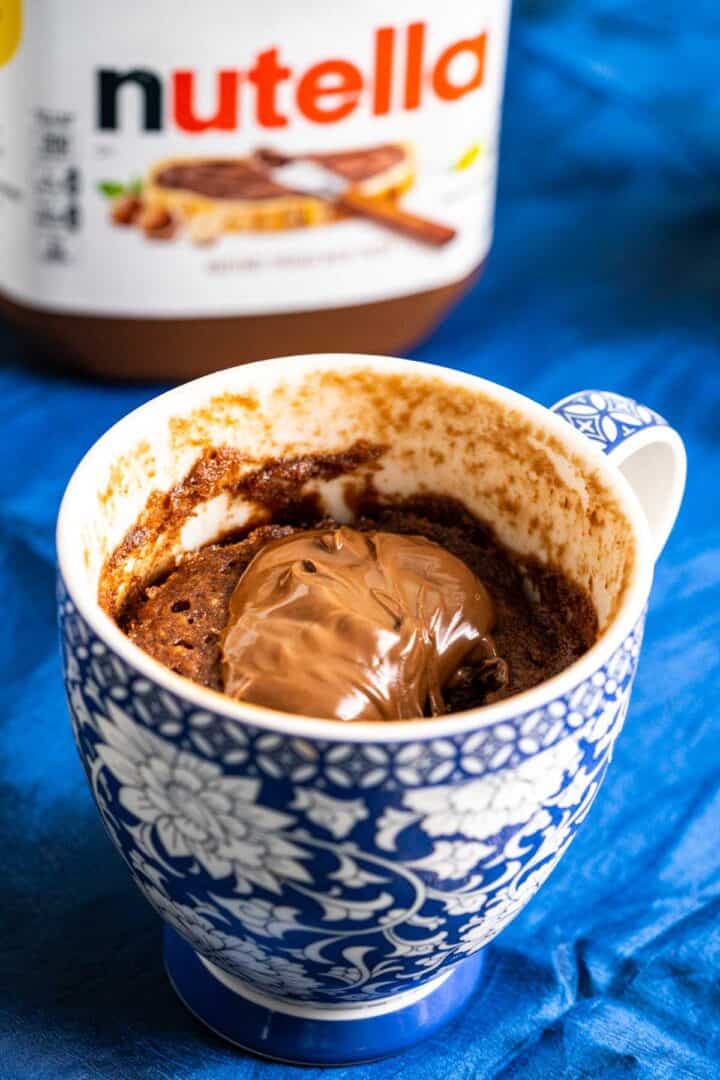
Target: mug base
[(303, 1034)]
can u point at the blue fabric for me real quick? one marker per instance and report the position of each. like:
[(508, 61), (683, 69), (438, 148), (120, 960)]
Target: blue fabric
[(606, 272)]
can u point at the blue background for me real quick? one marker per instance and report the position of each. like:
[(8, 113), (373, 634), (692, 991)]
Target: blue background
[(605, 272)]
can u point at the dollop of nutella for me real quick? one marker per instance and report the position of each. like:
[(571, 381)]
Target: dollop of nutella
[(352, 625)]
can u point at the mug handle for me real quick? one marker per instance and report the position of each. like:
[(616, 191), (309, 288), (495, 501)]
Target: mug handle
[(648, 452)]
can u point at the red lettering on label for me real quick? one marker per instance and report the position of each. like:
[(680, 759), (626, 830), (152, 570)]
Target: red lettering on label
[(384, 53), (267, 74), (450, 91), (414, 65), (225, 117), (333, 79), (391, 79)]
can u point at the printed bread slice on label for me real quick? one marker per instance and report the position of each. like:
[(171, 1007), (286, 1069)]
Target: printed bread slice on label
[(242, 193)]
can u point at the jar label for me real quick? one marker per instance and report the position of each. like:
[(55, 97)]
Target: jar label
[(162, 160)]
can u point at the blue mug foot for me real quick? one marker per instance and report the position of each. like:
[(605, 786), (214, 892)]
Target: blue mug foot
[(305, 1034)]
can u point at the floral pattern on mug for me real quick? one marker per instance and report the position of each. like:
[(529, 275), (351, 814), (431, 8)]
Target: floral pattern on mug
[(335, 871)]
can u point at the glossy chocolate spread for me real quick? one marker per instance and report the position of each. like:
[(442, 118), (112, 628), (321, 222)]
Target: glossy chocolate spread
[(351, 625)]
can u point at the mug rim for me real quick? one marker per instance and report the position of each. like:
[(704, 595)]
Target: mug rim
[(80, 592)]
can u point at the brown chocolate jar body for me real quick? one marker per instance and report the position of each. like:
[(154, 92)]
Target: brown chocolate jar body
[(169, 349)]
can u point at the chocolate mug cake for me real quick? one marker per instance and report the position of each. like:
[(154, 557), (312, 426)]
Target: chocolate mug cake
[(415, 610)]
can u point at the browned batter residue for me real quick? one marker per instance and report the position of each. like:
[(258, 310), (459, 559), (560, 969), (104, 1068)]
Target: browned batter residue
[(274, 487)]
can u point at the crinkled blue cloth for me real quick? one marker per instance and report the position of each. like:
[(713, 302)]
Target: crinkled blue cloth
[(605, 272)]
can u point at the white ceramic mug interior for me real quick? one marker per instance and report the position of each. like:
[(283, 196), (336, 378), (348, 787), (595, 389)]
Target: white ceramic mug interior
[(544, 488)]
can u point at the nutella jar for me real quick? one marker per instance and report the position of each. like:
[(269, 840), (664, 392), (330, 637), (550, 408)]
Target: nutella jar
[(189, 186)]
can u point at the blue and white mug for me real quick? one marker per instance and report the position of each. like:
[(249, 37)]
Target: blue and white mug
[(328, 888)]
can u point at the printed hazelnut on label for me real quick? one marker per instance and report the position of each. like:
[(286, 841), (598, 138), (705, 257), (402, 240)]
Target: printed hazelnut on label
[(126, 209), (157, 223), (206, 228)]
